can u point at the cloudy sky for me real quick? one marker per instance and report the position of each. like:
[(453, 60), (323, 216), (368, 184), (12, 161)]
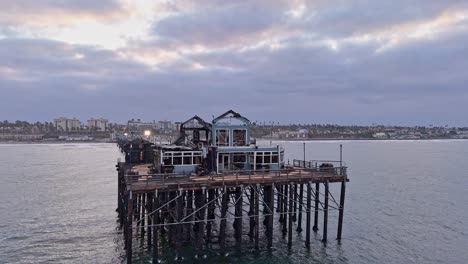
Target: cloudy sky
[(318, 61)]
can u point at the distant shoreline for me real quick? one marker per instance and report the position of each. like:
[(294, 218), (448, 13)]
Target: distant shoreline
[(52, 142), (258, 139), (359, 139)]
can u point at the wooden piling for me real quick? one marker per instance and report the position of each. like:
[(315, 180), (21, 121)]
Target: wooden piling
[(199, 203), (278, 198), (238, 213), (325, 213), (142, 216), (179, 227), (290, 214), (150, 201), (211, 215), (222, 227), (299, 221), (155, 228), (280, 204), (257, 212), (316, 209), (129, 227), (251, 213), (286, 209), (189, 211), (295, 203), (271, 205), (171, 216), (308, 219), (341, 209)]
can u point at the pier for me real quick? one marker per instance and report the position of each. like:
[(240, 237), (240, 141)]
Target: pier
[(184, 209), (194, 191)]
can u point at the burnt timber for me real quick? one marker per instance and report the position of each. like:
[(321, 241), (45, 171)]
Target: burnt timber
[(155, 204)]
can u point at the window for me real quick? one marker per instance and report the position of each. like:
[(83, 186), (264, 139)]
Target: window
[(239, 137), (239, 158), (266, 157), (187, 160), (222, 137), (274, 158), (177, 159), (259, 159)]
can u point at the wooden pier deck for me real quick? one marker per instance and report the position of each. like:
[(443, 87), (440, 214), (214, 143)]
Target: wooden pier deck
[(140, 179)]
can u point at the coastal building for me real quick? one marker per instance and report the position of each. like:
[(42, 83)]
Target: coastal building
[(67, 124), (380, 135), (223, 145), (98, 124), (165, 125), (290, 134), (138, 124)]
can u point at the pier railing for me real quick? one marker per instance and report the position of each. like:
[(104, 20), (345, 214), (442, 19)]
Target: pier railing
[(335, 166)]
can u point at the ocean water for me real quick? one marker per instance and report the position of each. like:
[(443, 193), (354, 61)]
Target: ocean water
[(407, 202)]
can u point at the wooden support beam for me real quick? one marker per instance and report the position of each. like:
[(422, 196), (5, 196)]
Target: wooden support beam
[(270, 218), (124, 220), (316, 209), (129, 228), (309, 204), (251, 213), (238, 213), (211, 215), (155, 229), (179, 227), (301, 200), (119, 195), (325, 214), (295, 203), (163, 214), (341, 209), (279, 191), (200, 200), (189, 211), (150, 202), (257, 212), (285, 209), (290, 214), (280, 203), (142, 216), (222, 228), (171, 217)]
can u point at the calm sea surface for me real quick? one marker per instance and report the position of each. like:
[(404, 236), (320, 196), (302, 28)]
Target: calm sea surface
[(407, 202)]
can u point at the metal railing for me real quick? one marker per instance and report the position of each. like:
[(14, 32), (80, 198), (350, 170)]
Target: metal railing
[(334, 166)]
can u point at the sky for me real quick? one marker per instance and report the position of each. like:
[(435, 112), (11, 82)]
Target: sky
[(400, 62)]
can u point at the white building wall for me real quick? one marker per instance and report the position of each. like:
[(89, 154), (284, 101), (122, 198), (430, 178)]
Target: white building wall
[(99, 124)]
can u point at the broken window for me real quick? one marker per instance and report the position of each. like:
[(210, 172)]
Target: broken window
[(222, 137), (239, 137)]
